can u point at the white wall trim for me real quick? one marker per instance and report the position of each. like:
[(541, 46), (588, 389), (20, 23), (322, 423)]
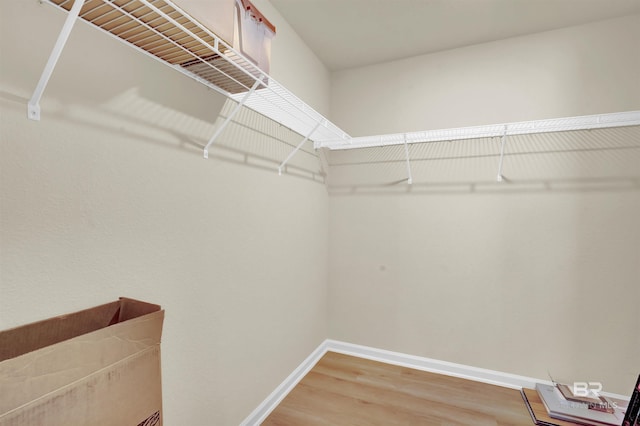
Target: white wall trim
[(477, 374), (271, 402), (468, 372), (483, 375)]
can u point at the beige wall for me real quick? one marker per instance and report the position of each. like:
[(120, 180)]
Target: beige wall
[(108, 195), (536, 275), (580, 70), (520, 283)]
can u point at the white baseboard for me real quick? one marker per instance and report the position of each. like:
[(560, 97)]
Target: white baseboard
[(477, 374), (483, 375), (435, 366), (271, 402)]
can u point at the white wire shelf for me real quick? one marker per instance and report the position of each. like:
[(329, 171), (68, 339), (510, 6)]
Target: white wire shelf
[(585, 122), (162, 30)]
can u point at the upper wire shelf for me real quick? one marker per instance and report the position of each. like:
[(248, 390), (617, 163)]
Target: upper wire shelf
[(585, 122), (165, 32), (162, 30)]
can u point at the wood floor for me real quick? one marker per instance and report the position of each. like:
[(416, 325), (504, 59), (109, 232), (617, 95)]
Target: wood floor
[(345, 390)]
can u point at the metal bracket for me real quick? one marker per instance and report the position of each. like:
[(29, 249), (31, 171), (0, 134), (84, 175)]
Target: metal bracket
[(33, 107), (500, 178), (292, 153), (230, 117), (406, 153)]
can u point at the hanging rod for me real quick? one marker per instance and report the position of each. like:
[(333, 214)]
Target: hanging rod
[(585, 122)]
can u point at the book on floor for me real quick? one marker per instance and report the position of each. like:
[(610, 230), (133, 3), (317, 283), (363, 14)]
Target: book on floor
[(593, 401), (558, 407)]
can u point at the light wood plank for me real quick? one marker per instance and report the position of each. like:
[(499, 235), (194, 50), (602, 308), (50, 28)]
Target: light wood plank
[(346, 390)]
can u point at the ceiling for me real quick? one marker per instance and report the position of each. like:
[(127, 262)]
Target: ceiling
[(354, 33)]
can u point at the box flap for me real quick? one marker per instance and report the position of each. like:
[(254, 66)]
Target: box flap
[(30, 337), (27, 338), (130, 308)]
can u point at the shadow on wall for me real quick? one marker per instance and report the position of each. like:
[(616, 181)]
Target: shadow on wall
[(110, 87), (576, 161), (250, 139)]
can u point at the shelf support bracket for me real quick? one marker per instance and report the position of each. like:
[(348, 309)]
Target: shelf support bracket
[(292, 153), (230, 117), (500, 177), (406, 153), (33, 107)]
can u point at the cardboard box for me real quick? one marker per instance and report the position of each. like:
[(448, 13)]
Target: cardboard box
[(99, 366)]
